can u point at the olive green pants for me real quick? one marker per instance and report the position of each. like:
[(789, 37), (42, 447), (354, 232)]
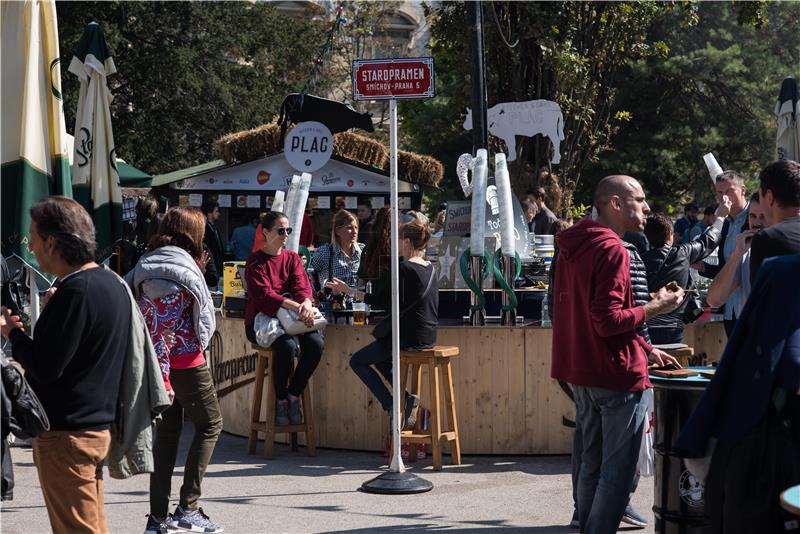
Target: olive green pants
[(195, 398)]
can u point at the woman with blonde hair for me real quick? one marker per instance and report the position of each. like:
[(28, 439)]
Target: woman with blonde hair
[(173, 296), (340, 258)]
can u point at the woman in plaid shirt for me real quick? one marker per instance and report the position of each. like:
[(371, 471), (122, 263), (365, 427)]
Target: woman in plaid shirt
[(341, 257)]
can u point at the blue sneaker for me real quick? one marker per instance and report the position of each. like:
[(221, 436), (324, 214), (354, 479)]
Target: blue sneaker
[(632, 517), (193, 521)]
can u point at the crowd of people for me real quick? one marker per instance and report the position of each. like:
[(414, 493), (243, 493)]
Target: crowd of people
[(99, 338), (744, 436)]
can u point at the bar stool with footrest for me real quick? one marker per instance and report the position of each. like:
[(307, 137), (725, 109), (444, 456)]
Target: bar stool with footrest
[(268, 427), (438, 361)]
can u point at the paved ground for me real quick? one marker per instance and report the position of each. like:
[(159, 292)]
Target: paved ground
[(295, 493)]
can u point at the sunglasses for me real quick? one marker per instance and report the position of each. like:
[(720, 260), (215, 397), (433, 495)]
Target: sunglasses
[(284, 231)]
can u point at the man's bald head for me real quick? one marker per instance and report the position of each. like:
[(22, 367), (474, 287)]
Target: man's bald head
[(618, 185), (620, 203)]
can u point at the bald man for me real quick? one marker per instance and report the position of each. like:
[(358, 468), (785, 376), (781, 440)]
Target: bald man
[(596, 348)]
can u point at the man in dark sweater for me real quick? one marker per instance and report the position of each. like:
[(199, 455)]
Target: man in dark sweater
[(211, 238), (74, 363), (780, 198)]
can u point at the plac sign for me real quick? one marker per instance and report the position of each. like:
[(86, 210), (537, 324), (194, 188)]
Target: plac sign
[(393, 78)]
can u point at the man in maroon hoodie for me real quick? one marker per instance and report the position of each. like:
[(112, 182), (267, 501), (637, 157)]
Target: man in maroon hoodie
[(606, 363)]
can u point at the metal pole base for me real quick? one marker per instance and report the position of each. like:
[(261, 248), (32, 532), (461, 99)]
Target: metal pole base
[(392, 483)]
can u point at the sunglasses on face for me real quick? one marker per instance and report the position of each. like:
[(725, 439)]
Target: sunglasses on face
[(284, 231)]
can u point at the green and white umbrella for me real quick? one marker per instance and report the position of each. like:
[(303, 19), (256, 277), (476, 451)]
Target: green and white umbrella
[(95, 178), (34, 153), (787, 110)]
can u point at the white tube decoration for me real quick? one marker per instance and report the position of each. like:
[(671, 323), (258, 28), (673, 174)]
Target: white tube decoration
[(478, 220), (278, 201), (298, 207), (714, 168), (293, 185), (503, 182)]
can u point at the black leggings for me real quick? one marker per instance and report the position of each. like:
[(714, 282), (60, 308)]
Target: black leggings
[(284, 349)]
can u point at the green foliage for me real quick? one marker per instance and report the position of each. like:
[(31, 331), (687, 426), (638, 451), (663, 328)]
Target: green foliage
[(714, 93), (569, 52), (190, 72)]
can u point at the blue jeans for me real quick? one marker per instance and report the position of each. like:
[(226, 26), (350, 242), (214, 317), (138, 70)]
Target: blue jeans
[(364, 362), (610, 424)]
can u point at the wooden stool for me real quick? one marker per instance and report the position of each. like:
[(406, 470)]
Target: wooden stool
[(680, 351), (438, 361), (268, 426)]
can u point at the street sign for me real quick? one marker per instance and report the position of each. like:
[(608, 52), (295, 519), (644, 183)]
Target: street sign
[(308, 146), (392, 78)]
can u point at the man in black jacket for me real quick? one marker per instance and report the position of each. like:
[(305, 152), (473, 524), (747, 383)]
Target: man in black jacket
[(73, 363), (780, 199), (667, 263), (211, 238)]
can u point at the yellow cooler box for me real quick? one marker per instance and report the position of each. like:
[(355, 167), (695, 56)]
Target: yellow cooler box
[(233, 290)]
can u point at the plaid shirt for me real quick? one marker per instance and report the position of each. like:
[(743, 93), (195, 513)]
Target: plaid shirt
[(345, 271)]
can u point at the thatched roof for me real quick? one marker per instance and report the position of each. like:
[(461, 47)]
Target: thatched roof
[(265, 141)]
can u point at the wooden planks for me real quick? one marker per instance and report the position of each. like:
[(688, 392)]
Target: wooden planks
[(505, 399)]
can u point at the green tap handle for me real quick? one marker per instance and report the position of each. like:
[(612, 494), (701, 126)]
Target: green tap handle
[(475, 287), (504, 284)]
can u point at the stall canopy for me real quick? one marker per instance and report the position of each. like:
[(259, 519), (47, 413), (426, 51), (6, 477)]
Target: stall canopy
[(253, 161), (274, 173)]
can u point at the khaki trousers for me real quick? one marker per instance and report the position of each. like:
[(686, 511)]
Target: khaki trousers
[(70, 467)]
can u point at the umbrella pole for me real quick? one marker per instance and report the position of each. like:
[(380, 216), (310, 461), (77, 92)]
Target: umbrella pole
[(397, 480)]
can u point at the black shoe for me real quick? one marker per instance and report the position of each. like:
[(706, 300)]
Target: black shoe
[(156, 526), (410, 413)]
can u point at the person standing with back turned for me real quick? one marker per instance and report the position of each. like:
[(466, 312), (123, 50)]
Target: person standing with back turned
[(607, 362)]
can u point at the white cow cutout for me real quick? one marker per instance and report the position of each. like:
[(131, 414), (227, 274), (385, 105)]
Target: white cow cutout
[(510, 119)]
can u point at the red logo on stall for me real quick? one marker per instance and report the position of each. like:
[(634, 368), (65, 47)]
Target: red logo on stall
[(350, 183), (263, 177)]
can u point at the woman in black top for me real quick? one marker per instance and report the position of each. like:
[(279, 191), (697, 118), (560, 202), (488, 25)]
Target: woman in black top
[(666, 263), (419, 316)]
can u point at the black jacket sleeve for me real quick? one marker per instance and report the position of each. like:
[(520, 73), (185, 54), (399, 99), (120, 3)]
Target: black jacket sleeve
[(704, 245)]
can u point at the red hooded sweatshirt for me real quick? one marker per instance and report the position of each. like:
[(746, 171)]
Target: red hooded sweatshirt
[(595, 343)]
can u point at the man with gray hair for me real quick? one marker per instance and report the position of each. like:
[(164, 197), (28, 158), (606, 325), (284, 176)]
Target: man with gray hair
[(597, 350), (730, 185), (74, 363)]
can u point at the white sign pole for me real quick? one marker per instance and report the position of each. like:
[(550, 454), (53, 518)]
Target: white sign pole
[(396, 465)]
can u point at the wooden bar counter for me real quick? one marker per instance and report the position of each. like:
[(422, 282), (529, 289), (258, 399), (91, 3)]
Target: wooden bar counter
[(506, 401)]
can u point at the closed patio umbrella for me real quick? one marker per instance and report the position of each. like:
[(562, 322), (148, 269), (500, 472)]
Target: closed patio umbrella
[(787, 110), (34, 154), (95, 178), (34, 151)]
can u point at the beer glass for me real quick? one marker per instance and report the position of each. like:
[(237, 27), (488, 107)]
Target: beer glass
[(359, 313)]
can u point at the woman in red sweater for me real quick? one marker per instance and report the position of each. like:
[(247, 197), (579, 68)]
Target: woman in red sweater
[(273, 272)]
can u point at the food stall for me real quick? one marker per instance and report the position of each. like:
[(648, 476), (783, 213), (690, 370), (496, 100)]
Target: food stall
[(505, 399)]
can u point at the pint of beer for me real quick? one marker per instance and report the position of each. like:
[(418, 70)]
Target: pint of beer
[(359, 313)]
